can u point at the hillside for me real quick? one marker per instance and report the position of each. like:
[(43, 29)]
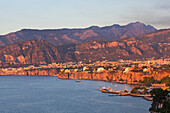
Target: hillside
[(31, 52), (155, 44)]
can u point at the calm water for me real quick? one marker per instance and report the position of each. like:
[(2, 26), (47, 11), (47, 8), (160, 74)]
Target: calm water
[(32, 94)]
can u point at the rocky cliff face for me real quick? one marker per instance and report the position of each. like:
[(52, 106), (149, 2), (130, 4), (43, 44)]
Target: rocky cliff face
[(65, 36), (32, 52), (114, 76), (41, 72), (156, 45)]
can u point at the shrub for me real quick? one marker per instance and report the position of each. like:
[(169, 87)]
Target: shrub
[(121, 79)]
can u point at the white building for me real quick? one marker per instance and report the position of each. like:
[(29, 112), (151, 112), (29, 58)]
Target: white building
[(100, 69)]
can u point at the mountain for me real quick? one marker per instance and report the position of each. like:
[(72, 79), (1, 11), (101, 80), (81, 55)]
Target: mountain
[(65, 36), (161, 36), (32, 52), (156, 44)]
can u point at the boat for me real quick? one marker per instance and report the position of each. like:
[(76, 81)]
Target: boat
[(108, 90), (78, 80), (55, 79), (113, 95), (148, 98)]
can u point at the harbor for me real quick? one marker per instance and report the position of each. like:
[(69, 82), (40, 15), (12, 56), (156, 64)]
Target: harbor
[(32, 92), (145, 94)]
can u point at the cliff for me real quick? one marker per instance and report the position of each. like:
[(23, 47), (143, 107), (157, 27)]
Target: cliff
[(38, 72), (114, 76), (31, 52)]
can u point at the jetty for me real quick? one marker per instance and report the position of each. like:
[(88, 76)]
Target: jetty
[(120, 93)]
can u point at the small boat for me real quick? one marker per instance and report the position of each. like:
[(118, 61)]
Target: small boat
[(78, 80), (113, 95), (148, 98), (55, 79)]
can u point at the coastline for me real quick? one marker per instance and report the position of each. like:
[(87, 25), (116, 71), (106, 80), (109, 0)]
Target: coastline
[(131, 78)]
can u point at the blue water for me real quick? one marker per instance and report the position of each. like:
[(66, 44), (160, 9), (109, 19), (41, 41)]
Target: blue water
[(33, 94)]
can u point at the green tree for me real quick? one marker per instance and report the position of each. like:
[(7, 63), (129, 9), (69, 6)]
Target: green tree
[(148, 80), (121, 79), (135, 90), (144, 89), (166, 80), (161, 101), (109, 79)]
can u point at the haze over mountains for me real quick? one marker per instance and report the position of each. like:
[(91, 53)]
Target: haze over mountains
[(155, 44), (65, 36)]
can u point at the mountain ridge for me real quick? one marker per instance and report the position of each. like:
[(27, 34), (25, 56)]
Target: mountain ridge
[(131, 48), (65, 35)]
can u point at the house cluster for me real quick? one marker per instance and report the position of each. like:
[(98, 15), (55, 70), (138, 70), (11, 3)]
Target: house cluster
[(99, 66)]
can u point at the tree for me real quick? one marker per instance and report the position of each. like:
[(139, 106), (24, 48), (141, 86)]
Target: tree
[(121, 79), (148, 80), (166, 80), (160, 101), (144, 89), (135, 90), (109, 79)]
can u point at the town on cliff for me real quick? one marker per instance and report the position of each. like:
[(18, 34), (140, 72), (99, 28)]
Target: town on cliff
[(148, 71)]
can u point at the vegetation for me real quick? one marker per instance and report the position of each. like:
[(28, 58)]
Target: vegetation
[(111, 72), (165, 66), (121, 79), (135, 81), (137, 69), (136, 90), (108, 67), (161, 101), (125, 91), (150, 80), (166, 80), (109, 79), (147, 81)]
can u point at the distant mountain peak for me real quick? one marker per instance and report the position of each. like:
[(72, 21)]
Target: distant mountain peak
[(140, 25), (116, 25), (94, 27), (136, 24)]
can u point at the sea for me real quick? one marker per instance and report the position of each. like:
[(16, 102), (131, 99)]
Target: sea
[(43, 94)]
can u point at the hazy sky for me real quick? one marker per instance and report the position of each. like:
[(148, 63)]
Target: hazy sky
[(54, 14)]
